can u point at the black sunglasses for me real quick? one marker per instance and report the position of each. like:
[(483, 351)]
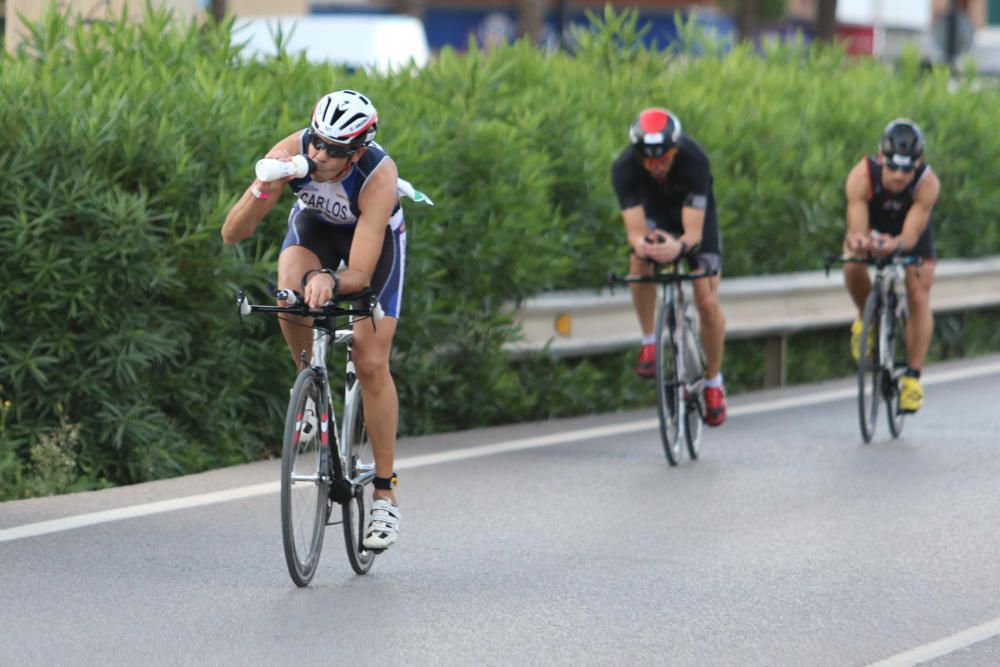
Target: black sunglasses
[(333, 150), (891, 165), (651, 150)]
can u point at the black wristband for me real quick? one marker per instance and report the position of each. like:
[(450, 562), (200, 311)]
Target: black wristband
[(684, 249)]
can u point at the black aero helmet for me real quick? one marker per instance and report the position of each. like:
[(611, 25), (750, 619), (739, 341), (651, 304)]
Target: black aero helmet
[(654, 132), (902, 144)]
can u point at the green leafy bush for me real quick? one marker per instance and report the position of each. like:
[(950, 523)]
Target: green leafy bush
[(127, 142)]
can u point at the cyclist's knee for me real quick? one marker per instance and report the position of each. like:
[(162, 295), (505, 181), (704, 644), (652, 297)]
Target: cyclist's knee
[(856, 271), (707, 303), (638, 267), (918, 298), (292, 265), (918, 295), (371, 368)]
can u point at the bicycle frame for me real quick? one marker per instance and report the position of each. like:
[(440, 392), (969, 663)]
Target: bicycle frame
[(341, 471), (879, 371), (679, 390), (324, 334)]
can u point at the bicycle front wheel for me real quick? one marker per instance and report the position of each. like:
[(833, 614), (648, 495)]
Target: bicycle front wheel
[(669, 402), (304, 477), (360, 469), (694, 401), (869, 368), (897, 353)]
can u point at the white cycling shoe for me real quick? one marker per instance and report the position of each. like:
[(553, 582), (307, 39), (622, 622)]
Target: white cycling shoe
[(384, 529)]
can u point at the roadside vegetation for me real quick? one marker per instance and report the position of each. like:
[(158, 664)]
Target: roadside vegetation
[(121, 356)]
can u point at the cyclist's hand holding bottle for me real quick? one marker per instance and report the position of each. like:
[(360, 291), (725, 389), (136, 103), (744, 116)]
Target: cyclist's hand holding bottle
[(277, 168)]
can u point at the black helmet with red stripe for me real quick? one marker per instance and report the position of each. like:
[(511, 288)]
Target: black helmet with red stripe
[(655, 132), (346, 117)]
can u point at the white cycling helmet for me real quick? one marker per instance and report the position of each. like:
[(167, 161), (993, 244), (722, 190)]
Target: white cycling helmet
[(346, 117)]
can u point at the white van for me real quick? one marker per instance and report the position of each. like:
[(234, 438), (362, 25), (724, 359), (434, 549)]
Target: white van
[(381, 42)]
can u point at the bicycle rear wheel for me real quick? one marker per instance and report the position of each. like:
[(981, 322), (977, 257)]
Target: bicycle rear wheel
[(897, 353), (668, 390), (360, 462), (304, 477), (694, 356), (869, 368)]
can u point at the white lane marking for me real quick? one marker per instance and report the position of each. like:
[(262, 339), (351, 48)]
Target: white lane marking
[(942, 647), (465, 453), (133, 511)]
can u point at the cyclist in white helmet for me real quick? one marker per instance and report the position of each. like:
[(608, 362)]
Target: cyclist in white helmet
[(346, 210)]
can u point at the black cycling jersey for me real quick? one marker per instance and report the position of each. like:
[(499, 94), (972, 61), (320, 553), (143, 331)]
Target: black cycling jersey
[(887, 211), (688, 184)]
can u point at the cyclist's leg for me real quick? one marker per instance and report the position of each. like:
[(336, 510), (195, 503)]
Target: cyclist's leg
[(919, 279), (858, 283), (643, 294), (712, 321), (710, 316), (378, 390), (706, 294), (303, 249), (372, 345)]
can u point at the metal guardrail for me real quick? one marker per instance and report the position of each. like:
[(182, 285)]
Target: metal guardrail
[(585, 322)]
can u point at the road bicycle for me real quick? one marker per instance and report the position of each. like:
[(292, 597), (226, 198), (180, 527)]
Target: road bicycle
[(680, 360), (315, 473), (883, 360)]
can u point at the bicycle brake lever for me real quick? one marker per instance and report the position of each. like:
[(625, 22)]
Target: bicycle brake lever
[(286, 295), (242, 304)]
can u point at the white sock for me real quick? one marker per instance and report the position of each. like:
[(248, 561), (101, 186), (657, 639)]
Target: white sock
[(714, 382), (649, 340)]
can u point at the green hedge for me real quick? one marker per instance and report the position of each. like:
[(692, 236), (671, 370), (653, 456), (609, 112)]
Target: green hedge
[(121, 358)]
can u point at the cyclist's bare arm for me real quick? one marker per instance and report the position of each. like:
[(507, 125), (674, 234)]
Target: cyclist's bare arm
[(858, 192), (377, 200), (924, 197), (635, 229), (246, 214), (693, 221)]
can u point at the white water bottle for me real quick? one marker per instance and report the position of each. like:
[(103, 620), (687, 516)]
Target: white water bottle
[(270, 169)]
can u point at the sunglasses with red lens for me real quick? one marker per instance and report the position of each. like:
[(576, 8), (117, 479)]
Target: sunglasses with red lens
[(333, 150)]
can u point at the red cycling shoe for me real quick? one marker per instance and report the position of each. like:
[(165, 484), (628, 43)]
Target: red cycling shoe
[(715, 406), (646, 368)]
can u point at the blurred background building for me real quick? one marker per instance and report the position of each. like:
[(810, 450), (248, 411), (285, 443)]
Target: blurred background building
[(881, 28)]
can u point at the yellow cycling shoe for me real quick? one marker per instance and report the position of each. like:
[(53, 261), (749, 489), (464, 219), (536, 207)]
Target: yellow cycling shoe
[(911, 394), (856, 339)]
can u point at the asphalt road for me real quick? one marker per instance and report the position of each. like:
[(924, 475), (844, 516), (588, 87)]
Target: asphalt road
[(566, 542)]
